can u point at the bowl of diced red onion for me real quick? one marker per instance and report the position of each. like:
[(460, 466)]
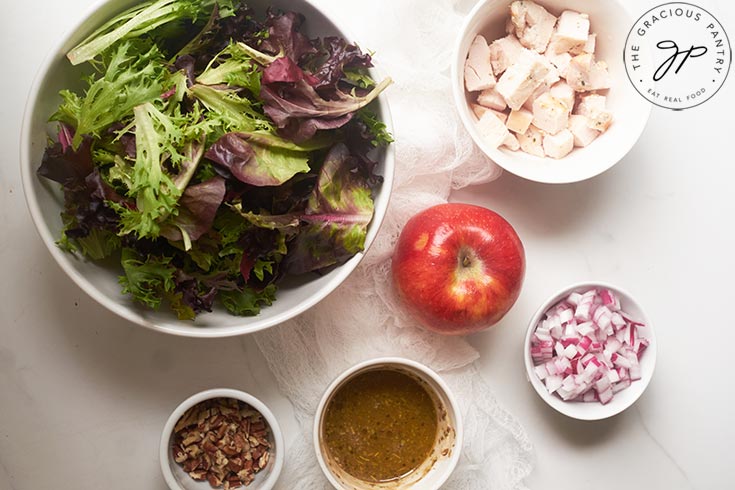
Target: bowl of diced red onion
[(590, 351)]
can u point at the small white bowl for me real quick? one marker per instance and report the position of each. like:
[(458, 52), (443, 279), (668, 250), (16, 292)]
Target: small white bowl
[(100, 280), (175, 476), (622, 399), (611, 21), (445, 455)]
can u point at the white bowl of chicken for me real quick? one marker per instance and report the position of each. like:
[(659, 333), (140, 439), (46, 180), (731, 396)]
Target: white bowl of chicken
[(542, 89)]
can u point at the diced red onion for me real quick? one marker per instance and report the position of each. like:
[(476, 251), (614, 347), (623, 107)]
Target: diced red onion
[(586, 348)]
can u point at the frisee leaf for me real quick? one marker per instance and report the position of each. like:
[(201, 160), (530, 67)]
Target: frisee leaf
[(249, 301), (131, 77), (147, 279), (381, 136), (141, 19)]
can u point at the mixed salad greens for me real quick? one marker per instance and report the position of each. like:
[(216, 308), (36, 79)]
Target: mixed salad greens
[(212, 153)]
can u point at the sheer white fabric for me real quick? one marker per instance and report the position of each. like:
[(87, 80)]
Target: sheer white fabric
[(413, 41)]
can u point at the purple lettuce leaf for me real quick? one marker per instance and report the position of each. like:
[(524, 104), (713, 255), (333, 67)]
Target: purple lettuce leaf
[(284, 35), (335, 223), (296, 107), (198, 206), (339, 55)]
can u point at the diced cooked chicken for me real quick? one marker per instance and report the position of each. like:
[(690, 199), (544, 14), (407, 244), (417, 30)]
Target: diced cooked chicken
[(553, 76), (593, 107), (532, 141), (478, 72), (580, 127), (533, 24), (540, 90), (572, 31), (558, 145), (586, 74), (521, 79), (519, 121), (538, 85), (591, 102), (560, 61), (550, 114), (511, 142), (492, 99), (480, 111), (589, 46), (492, 130), (503, 53), (564, 94)]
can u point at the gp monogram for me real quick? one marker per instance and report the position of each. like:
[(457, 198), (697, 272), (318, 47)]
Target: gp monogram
[(677, 55)]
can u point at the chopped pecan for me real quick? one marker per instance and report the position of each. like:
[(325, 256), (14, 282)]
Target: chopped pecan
[(223, 441)]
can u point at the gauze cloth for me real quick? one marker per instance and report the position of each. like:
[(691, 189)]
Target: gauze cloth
[(412, 41)]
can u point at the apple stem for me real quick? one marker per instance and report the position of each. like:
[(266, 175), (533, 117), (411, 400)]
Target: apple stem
[(465, 257)]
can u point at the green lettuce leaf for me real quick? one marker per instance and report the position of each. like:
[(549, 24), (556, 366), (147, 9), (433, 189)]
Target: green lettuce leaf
[(336, 219), (131, 77), (146, 279)]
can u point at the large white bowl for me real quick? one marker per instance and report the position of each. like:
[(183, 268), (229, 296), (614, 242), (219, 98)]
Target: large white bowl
[(611, 21), (622, 399), (45, 199)]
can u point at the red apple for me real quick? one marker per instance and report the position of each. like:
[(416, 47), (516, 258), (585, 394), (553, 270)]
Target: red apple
[(458, 268)]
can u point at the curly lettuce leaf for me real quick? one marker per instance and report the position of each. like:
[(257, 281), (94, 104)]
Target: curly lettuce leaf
[(156, 192), (249, 301), (232, 66), (146, 279), (131, 76), (141, 19)]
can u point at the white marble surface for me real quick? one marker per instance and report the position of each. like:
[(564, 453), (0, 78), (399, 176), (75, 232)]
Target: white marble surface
[(83, 394)]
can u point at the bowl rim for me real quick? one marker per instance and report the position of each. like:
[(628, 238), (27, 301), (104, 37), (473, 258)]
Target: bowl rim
[(572, 409), (249, 324), (501, 158), (164, 454), (453, 409)]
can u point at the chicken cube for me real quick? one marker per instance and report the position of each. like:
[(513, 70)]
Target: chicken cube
[(519, 121), (492, 130), (533, 24), (532, 141), (492, 99), (480, 111), (593, 107), (586, 74), (503, 53), (580, 127), (478, 72), (540, 90), (572, 31), (521, 79), (511, 142), (564, 94), (558, 145), (560, 61), (589, 46), (550, 114), (591, 102)]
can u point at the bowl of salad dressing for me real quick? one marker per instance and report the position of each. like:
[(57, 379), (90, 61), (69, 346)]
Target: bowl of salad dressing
[(388, 423)]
